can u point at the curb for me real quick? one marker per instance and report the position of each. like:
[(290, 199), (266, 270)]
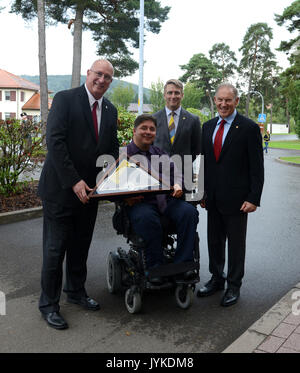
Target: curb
[(26, 214), (250, 340), (19, 215), (287, 162)]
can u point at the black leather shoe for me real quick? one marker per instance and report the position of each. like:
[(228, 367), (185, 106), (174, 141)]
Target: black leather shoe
[(189, 275), (210, 288), (230, 297), (55, 320), (86, 302)]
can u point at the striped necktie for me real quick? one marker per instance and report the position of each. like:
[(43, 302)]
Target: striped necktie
[(172, 127)]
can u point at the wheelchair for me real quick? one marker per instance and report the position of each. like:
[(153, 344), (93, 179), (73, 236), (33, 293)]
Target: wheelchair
[(126, 270)]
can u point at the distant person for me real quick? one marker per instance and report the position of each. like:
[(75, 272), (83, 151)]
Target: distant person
[(267, 138), (178, 131), (233, 178), (82, 125)]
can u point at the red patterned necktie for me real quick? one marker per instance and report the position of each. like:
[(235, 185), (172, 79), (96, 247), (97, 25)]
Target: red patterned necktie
[(94, 114), (218, 139)]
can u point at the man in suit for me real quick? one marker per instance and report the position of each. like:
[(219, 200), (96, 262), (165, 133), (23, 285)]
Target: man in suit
[(81, 126), (233, 179), (178, 131)]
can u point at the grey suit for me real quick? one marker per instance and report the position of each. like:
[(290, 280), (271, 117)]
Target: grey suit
[(187, 137)]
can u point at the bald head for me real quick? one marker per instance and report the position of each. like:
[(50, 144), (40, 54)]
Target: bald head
[(99, 77)]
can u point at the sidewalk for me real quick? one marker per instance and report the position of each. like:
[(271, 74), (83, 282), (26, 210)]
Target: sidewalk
[(277, 331)]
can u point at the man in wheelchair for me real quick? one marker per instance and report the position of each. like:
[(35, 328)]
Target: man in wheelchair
[(146, 211)]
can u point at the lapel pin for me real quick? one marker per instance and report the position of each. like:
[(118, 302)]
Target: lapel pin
[(183, 118), (237, 127)]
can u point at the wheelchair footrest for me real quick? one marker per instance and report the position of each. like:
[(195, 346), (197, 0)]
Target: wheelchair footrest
[(172, 269)]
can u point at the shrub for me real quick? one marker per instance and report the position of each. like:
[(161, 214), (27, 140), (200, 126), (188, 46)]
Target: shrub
[(20, 143), (203, 118), (125, 126)]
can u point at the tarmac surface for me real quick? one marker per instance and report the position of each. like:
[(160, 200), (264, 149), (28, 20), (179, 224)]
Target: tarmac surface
[(266, 318)]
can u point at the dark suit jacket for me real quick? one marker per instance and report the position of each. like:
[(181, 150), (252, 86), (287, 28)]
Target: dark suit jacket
[(72, 146), (238, 175), (187, 137)]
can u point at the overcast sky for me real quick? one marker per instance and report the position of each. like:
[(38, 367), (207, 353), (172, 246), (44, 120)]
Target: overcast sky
[(194, 26)]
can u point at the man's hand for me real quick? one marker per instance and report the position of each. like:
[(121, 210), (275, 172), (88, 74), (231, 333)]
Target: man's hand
[(248, 207), (133, 200), (80, 190), (177, 192)]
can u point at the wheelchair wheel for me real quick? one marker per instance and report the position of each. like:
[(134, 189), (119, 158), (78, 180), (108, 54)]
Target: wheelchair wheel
[(184, 296), (113, 273), (133, 301)]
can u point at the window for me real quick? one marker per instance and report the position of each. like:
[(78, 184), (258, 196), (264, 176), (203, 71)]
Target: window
[(22, 96), (10, 95), (0, 116), (0, 95), (9, 115)]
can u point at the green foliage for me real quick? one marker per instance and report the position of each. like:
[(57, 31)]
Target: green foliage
[(114, 24), (224, 59), (192, 96), (203, 118), (204, 75), (289, 79), (20, 143), (122, 96), (157, 96), (291, 17), (125, 126)]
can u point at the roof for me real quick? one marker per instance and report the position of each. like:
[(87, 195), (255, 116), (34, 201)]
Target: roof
[(9, 80), (34, 103)]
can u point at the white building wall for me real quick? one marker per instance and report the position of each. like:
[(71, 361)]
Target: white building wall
[(278, 128), (7, 106)]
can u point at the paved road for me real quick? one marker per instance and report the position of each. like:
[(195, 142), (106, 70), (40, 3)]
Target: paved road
[(272, 269)]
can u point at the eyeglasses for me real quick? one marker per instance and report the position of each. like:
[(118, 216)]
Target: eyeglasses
[(99, 74)]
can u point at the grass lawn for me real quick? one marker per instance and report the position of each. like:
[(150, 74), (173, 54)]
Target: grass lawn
[(291, 159), (293, 144)]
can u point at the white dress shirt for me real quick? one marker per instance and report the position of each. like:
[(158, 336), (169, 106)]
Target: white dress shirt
[(99, 107)]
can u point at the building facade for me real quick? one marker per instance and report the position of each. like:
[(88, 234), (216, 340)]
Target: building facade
[(17, 96)]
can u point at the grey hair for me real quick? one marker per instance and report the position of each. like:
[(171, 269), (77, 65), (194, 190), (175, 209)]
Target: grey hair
[(230, 86)]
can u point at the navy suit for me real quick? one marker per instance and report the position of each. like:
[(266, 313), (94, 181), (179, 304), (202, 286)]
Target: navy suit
[(68, 224), (237, 176)]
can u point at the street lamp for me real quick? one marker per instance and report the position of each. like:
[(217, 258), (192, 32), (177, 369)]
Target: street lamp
[(262, 99)]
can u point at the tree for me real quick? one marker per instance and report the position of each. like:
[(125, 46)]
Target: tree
[(38, 7), (122, 96), (256, 53), (290, 14), (114, 26), (157, 96), (42, 64), (224, 59), (290, 78), (192, 96), (204, 75)]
